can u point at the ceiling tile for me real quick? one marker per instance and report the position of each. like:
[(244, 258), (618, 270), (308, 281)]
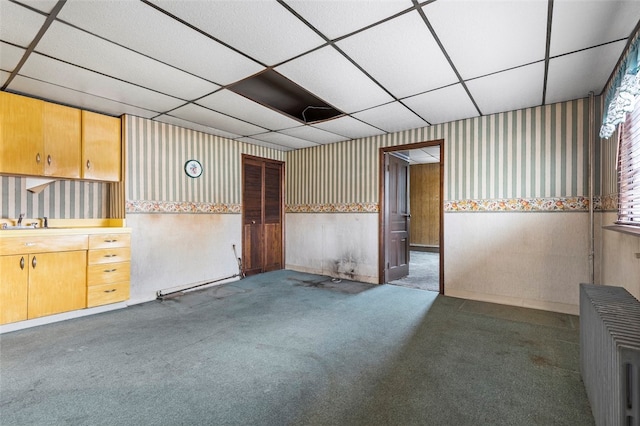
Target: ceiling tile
[(62, 95), (65, 75), (264, 30), (337, 18), (392, 117), (485, 36), (209, 118), (443, 105), (574, 76), (402, 55), (77, 47), (18, 25), (4, 76), (195, 126), (238, 106), (418, 156), (253, 141), (153, 33), (596, 20), (283, 140), (497, 92), (314, 135), (10, 56), (331, 77), (45, 6), (349, 127)]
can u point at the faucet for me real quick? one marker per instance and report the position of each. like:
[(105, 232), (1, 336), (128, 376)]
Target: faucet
[(20, 219)]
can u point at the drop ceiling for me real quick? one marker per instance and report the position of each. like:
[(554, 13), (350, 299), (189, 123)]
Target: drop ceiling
[(388, 65)]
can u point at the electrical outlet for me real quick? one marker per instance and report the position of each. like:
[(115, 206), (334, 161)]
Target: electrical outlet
[(637, 255)]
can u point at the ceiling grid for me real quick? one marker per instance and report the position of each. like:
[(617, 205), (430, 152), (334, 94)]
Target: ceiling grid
[(388, 65)]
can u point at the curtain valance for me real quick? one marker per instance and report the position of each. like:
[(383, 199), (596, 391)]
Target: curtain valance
[(624, 91)]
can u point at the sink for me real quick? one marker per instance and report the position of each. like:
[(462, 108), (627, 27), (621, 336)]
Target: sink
[(16, 228)]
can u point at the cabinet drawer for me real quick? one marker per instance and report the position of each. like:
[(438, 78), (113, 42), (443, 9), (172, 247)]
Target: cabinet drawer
[(98, 241), (107, 293), (109, 255), (42, 244), (108, 273)]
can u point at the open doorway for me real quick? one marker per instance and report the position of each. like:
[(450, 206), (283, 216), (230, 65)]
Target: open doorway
[(411, 215)]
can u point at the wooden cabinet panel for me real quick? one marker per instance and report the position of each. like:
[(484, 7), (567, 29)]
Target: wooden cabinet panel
[(42, 243), (109, 255), (61, 141), (104, 273), (101, 147), (21, 135), (57, 283), (425, 204), (14, 283), (107, 293), (98, 241)]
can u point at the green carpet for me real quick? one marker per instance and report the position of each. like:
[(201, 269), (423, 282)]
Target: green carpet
[(287, 348)]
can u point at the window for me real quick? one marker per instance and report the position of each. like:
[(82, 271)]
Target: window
[(629, 170)]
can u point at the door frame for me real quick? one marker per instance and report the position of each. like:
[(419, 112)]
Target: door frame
[(282, 165), (382, 225)]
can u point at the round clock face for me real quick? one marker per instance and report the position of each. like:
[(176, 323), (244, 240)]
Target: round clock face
[(193, 168)]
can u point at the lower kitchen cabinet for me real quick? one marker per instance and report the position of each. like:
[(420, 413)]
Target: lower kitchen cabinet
[(57, 283), (14, 285), (44, 274), (39, 284), (108, 269)]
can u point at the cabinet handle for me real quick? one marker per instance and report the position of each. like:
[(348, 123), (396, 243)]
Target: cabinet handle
[(110, 241), (88, 164), (48, 159), (110, 255), (22, 262), (110, 270), (38, 158), (110, 291), (34, 262), (29, 244)]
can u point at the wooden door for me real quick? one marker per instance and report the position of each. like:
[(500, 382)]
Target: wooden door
[(57, 282), (61, 141), (101, 147), (21, 135), (14, 281), (262, 215), (398, 217)]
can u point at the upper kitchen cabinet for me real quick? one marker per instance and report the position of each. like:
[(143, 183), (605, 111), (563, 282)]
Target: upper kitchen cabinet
[(61, 141), (21, 135), (39, 138), (101, 147)]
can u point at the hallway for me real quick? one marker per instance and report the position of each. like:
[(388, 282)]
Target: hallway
[(423, 271)]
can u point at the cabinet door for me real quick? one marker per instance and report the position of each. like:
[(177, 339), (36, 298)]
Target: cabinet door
[(21, 135), (57, 283), (61, 141), (14, 275), (101, 147)]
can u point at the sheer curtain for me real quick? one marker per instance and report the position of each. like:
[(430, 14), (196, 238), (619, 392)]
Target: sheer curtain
[(624, 91)]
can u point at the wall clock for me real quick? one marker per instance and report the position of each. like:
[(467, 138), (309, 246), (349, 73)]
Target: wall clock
[(193, 168)]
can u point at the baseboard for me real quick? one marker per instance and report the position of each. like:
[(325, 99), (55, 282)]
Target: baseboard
[(563, 308), (358, 278), (49, 319)]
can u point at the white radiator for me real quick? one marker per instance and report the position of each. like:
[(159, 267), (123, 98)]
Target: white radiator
[(610, 353)]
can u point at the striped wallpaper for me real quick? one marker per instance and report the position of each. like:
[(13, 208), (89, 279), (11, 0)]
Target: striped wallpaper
[(531, 153), (156, 154), (59, 200)]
